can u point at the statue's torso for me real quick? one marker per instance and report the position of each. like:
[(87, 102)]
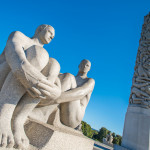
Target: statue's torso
[(32, 53)]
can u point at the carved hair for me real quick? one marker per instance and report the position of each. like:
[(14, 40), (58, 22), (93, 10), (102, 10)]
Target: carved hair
[(85, 60), (40, 28)]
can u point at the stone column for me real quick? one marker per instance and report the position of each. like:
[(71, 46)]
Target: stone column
[(140, 90), (136, 134)]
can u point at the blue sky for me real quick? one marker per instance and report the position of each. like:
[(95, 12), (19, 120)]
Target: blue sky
[(105, 32)]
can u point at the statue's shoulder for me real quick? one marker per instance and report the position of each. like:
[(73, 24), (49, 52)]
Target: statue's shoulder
[(53, 60), (91, 81), (17, 35)]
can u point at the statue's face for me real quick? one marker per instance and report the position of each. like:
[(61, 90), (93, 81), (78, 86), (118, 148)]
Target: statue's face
[(84, 66), (46, 35)]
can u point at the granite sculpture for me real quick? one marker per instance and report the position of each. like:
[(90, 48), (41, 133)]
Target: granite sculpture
[(108, 140), (31, 86), (136, 134), (76, 93), (140, 91)]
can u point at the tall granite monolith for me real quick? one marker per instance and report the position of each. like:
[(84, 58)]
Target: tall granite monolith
[(136, 133)]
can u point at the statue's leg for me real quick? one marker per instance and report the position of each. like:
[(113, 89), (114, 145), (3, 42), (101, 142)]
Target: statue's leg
[(70, 118), (22, 111), (10, 94), (25, 107), (42, 113), (67, 81)]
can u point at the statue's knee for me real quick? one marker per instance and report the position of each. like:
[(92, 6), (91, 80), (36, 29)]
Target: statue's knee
[(68, 75)]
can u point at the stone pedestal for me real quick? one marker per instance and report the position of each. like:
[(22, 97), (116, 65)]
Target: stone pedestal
[(117, 147), (47, 137), (136, 134), (107, 143)]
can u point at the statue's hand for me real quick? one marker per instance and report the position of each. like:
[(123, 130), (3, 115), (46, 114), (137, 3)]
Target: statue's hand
[(29, 76), (49, 90), (45, 90), (36, 83)]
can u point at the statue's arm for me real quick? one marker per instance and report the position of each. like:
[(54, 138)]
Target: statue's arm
[(52, 90), (14, 52), (77, 93), (15, 56)]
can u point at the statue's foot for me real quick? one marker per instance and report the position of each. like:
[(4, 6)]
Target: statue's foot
[(21, 140), (6, 138)]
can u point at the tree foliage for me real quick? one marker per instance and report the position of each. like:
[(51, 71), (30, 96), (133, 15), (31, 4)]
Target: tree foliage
[(99, 135), (87, 130), (117, 140)]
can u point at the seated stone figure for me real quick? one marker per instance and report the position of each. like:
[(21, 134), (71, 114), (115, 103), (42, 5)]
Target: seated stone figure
[(76, 93), (30, 79), (74, 101), (22, 64)]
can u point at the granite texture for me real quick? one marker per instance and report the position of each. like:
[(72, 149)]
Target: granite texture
[(117, 147), (46, 137)]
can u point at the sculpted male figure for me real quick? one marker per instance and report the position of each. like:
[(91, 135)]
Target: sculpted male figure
[(21, 64), (72, 112), (76, 93)]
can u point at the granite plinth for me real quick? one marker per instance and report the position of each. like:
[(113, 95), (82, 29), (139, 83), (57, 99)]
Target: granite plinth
[(117, 147), (47, 137), (136, 135)]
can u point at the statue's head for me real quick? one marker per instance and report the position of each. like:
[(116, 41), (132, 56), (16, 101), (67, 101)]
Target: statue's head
[(84, 66), (45, 33)]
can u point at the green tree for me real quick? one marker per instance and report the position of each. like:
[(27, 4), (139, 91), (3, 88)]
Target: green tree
[(117, 140), (87, 130), (120, 139), (95, 132), (101, 134), (113, 134)]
